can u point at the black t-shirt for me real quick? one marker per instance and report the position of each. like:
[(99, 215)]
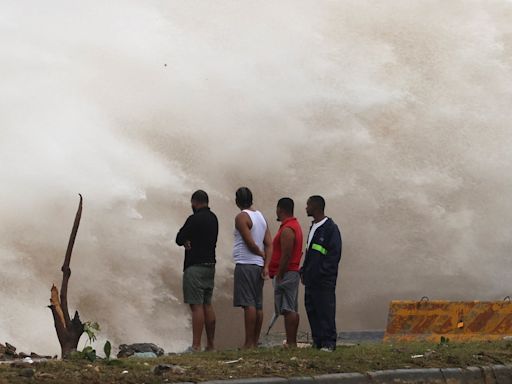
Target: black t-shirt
[(201, 229)]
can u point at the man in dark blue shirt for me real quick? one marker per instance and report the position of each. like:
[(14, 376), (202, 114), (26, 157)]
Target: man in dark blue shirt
[(319, 274), (199, 237)]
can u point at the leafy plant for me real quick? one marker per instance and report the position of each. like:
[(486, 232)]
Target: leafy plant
[(91, 328), (88, 353), (107, 348)]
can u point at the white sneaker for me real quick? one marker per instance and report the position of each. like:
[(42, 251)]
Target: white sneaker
[(190, 350)]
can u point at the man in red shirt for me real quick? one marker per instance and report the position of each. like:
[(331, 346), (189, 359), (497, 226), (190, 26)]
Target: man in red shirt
[(284, 268)]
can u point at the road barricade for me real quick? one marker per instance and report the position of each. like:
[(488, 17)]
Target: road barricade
[(455, 320)]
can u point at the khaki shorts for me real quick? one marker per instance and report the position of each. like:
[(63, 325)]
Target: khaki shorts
[(198, 283)]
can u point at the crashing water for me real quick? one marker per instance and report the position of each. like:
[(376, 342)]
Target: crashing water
[(397, 112)]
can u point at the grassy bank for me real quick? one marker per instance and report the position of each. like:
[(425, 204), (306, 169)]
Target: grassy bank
[(263, 362)]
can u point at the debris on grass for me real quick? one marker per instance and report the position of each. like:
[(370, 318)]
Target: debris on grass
[(161, 369), (233, 361), (261, 362)]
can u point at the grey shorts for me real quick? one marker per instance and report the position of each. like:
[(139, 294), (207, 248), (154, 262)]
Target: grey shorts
[(248, 287), (198, 283), (286, 293)]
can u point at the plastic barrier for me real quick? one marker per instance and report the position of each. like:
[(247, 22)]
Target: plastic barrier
[(454, 320)]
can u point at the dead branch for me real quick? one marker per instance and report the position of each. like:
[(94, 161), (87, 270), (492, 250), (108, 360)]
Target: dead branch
[(68, 331)]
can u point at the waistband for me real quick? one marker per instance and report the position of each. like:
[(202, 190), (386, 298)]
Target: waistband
[(204, 265)]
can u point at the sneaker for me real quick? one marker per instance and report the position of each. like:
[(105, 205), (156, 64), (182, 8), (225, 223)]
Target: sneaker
[(191, 349), (327, 349)]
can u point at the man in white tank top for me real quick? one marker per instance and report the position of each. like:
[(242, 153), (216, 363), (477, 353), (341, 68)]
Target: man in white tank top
[(252, 251)]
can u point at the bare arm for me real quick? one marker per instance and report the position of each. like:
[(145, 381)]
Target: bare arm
[(267, 245), (287, 242), (243, 224)]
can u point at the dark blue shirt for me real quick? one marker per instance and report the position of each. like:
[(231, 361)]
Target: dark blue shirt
[(320, 268)]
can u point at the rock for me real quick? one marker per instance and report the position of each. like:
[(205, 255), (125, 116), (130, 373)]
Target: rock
[(10, 351), (34, 355), (129, 350), (144, 355), (160, 369), (27, 372)]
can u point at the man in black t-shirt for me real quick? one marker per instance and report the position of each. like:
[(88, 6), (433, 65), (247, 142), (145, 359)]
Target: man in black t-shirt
[(199, 237)]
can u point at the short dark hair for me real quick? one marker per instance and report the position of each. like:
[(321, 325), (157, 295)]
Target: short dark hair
[(318, 201), (286, 204), (243, 197), (200, 196)]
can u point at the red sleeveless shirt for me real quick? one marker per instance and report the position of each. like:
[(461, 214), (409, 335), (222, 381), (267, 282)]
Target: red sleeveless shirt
[(294, 262)]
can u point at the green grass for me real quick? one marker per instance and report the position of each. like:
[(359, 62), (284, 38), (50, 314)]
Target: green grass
[(267, 362)]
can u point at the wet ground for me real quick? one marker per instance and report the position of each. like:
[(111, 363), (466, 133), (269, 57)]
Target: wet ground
[(361, 336), (345, 337)]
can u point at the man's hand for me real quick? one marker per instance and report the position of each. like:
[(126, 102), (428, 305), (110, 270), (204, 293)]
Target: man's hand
[(188, 245), (265, 273), (302, 278)]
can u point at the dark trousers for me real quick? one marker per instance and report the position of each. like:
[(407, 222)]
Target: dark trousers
[(320, 306)]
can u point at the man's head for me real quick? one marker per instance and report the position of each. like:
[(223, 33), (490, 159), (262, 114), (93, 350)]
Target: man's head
[(243, 198), (199, 200), (284, 208), (315, 206)]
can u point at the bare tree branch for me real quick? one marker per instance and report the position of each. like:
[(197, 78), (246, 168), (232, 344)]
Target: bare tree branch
[(66, 270), (68, 331)]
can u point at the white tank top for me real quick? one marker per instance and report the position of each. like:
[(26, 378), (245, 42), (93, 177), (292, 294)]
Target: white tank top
[(241, 253)]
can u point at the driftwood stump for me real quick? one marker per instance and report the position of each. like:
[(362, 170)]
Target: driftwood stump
[(68, 330)]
